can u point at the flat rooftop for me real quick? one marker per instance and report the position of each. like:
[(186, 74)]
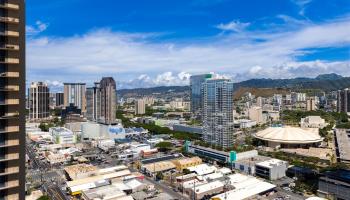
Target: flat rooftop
[(339, 175), (343, 144), (245, 187), (271, 163), (254, 160)]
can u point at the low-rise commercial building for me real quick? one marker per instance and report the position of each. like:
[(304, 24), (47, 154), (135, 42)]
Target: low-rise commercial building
[(262, 166), (272, 169), (184, 163), (153, 168), (313, 122), (334, 185), (63, 135), (200, 191), (245, 187), (79, 171)]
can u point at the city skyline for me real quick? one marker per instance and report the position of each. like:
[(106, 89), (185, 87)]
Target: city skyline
[(278, 39)]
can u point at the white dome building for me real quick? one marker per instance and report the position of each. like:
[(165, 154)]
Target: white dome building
[(289, 137)]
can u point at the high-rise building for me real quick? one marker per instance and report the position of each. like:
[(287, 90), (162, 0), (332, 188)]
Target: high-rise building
[(140, 107), (218, 126), (343, 100), (101, 101), (39, 101), (93, 102), (59, 99), (74, 93), (12, 99), (311, 104), (108, 100), (196, 82)]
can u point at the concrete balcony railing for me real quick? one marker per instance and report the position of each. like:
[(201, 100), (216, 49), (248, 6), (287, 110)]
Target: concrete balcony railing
[(9, 47), (12, 197), (11, 20), (10, 88), (10, 33), (9, 184), (9, 6), (10, 74), (9, 170), (10, 156), (10, 102), (10, 129), (10, 143), (9, 60), (9, 115)]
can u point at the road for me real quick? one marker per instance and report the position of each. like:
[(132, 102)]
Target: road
[(42, 172), (54, 192), (166, 189), (292, 195)]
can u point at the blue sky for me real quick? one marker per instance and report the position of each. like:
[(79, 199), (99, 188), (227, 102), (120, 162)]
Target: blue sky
[(144, 43)]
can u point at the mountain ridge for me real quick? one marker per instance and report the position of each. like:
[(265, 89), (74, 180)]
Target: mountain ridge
[(325, 82)]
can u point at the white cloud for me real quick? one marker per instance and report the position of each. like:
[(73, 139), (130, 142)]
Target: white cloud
[(124, 56), (32, 30), (302, 5), (236, 26)]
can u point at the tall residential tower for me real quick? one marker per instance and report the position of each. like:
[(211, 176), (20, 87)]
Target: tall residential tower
[(196, 82), (12, 99), (74, 93), (101, 101), (218, 112), (108, 100), (39, 104)]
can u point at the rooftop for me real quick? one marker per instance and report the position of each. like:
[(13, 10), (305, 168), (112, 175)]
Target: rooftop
[(159, 166), (202, 169), (289, 135), (343, 144), (73, 170), (209, 186), (185, 161), (339, 175), (104, 192), (272, 163), (245, 187)]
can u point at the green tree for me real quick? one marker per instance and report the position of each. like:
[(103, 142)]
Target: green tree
[(44, 197), (159, 176), (164, 146)]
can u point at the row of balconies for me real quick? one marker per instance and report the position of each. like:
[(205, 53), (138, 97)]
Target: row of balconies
[(10, 20), (9, 156), (9, 60), (10, 143), (9, 102), (9, 115), (9, 33), (9, 74), (9, 47), (9, 6), (9, 88), (9, 184), (9, 129)]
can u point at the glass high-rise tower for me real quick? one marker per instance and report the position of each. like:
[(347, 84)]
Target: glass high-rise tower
[(12, 99), (217, 111), (196, 82)]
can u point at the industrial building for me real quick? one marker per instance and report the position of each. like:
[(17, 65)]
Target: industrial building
[(245, 187), (184, 163), (262, 166), (334, 184)]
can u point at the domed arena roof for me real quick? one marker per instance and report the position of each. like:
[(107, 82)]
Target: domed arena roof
[(289, 135)]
